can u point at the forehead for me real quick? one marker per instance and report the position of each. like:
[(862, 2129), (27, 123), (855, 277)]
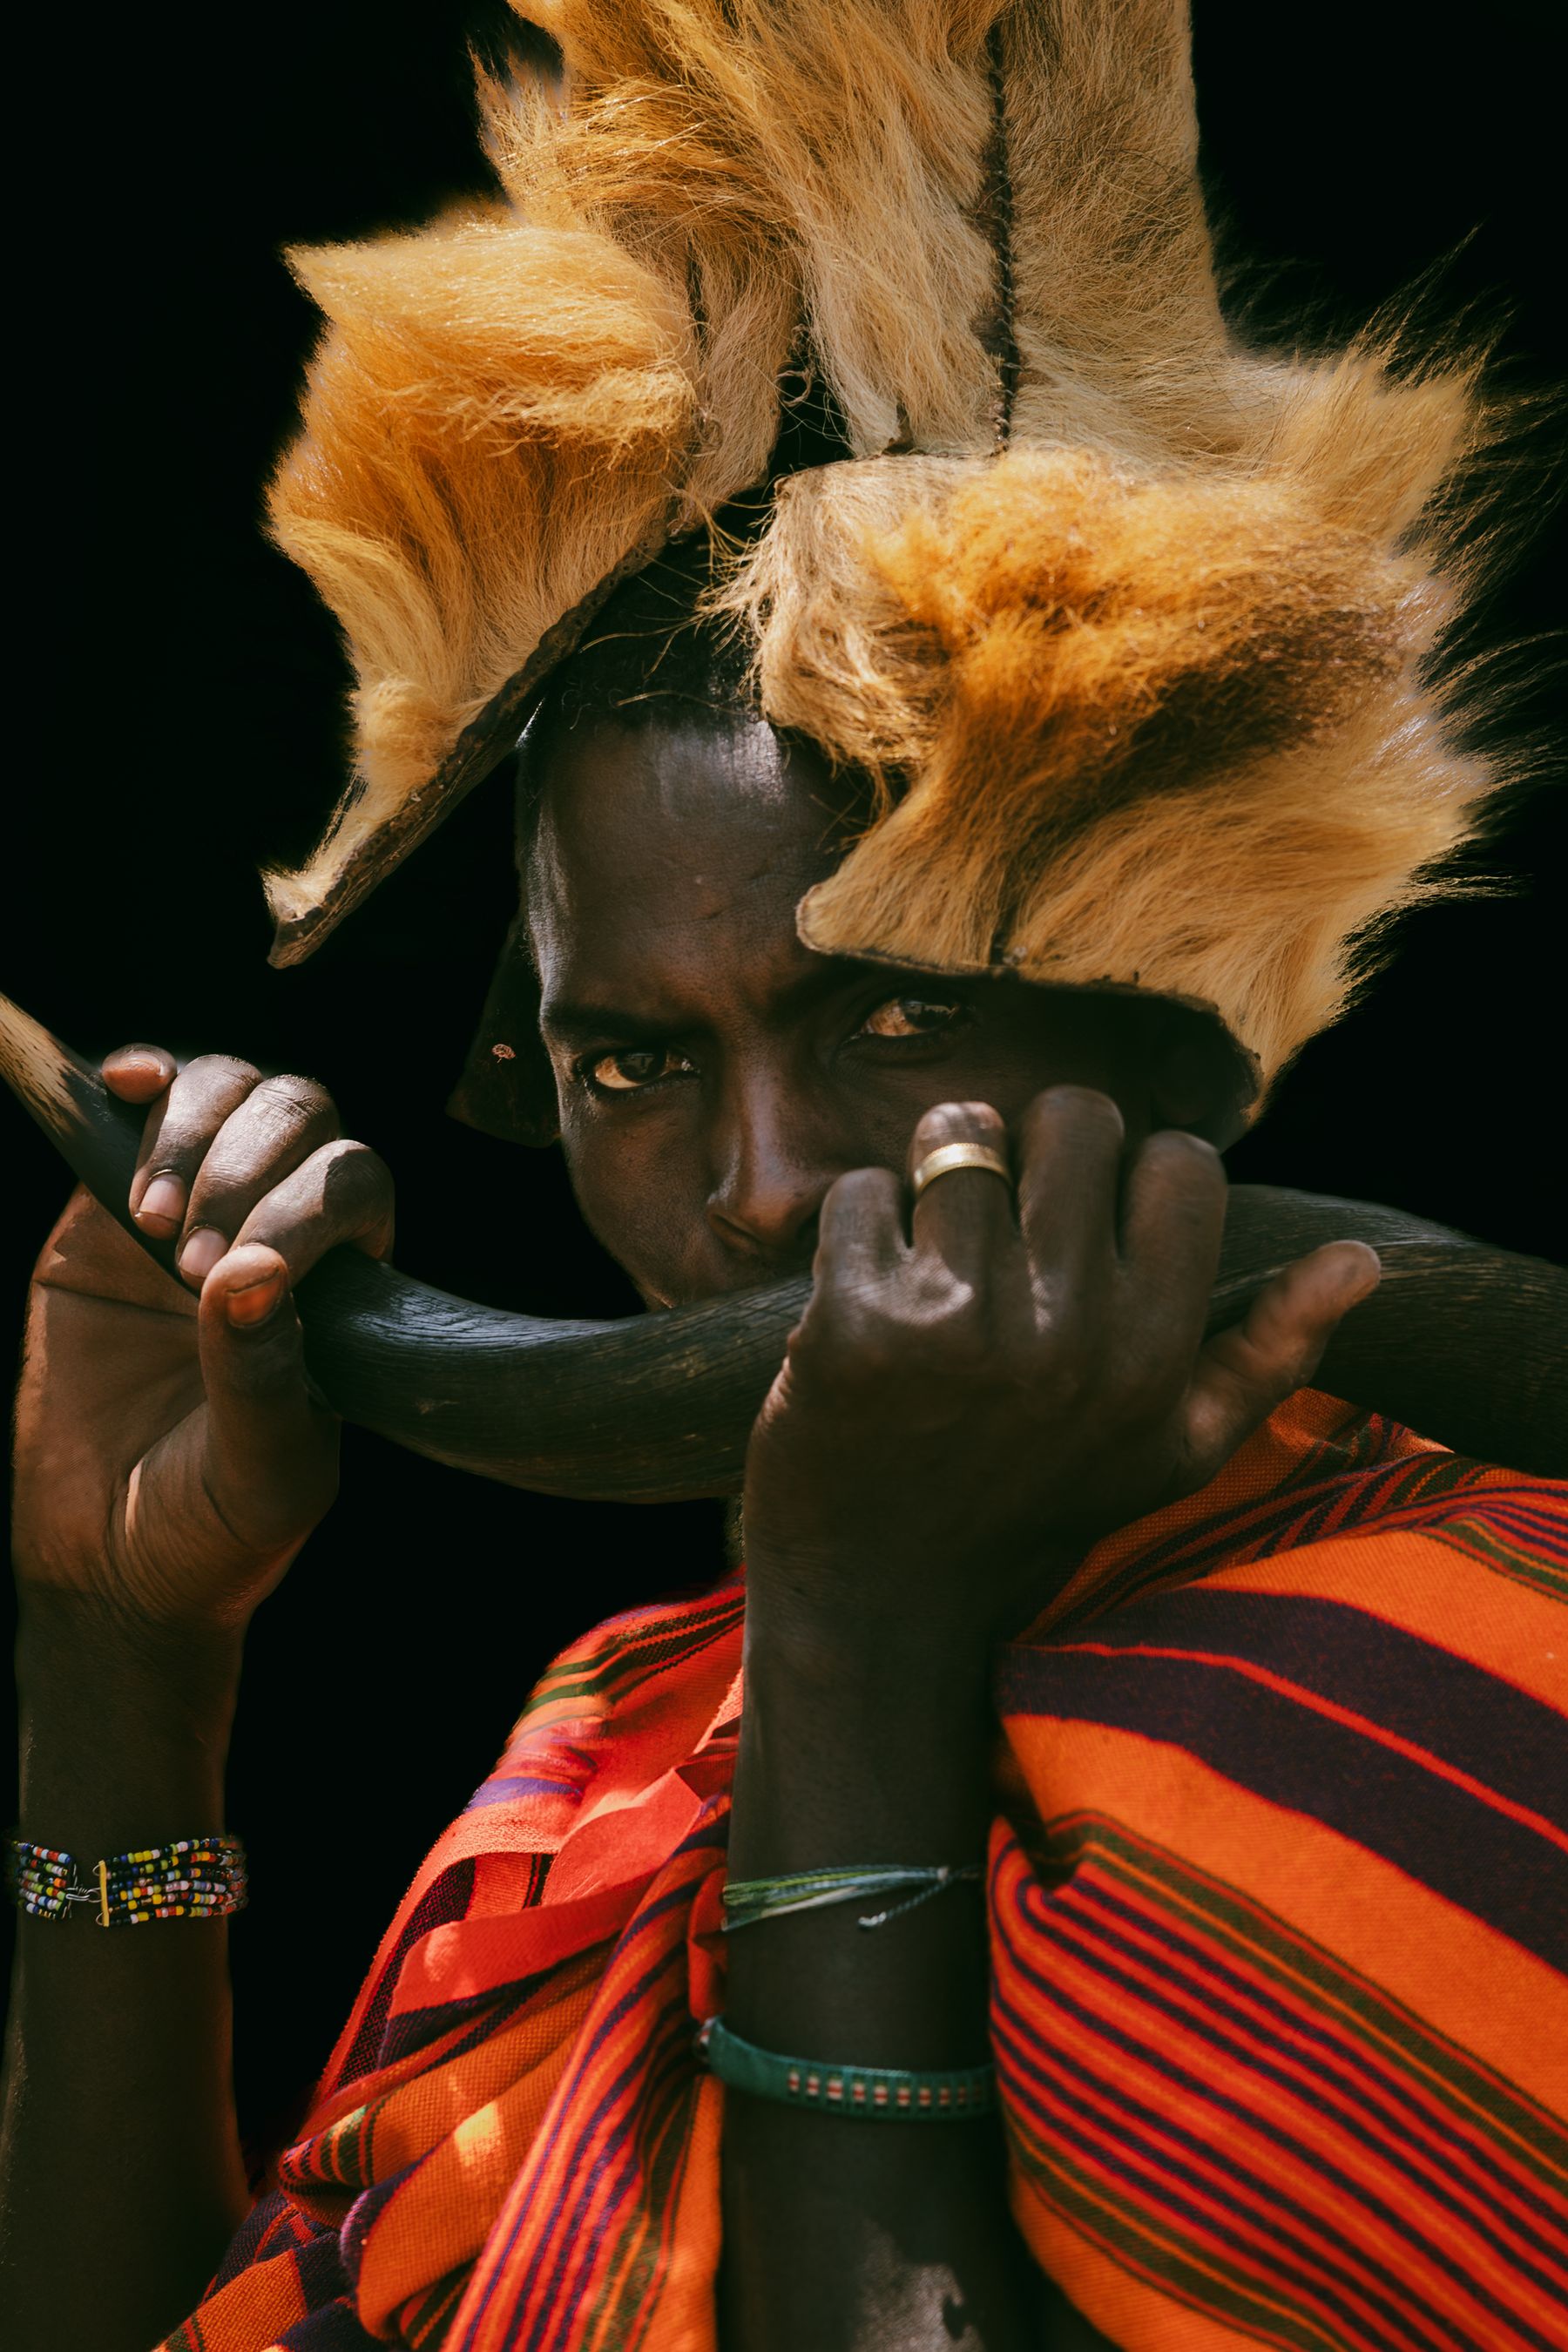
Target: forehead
[(687, 831)]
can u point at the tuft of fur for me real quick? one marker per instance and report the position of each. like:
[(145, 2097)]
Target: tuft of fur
[(1164, 726), (1131, 626), (1117, 316), (37, 1068), (491, 392), (506, 404)]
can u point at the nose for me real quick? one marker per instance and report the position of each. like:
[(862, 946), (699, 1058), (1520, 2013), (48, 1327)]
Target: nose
[(773, 1168)]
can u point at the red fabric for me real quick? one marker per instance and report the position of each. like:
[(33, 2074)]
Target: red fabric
[(1279, 1911)]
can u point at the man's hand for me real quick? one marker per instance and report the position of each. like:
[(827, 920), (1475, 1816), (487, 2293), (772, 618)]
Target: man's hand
[(990, 1381), (170, 1462), (170, 1459)]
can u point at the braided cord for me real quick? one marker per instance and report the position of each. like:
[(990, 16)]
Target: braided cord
[(750, 1900)]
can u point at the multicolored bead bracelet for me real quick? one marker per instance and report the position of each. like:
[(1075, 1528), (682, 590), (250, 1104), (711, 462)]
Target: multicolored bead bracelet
[(877, 2094), (748, 1900), (193, 1878)]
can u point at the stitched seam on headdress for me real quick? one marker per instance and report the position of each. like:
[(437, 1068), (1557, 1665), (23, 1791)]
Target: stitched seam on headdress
[(999, 204)]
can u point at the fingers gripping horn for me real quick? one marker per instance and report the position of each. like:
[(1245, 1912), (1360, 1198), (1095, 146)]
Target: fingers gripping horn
[(657, 1407)]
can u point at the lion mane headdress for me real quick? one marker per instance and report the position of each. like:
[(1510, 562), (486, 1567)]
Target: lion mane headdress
[(1127, 624)]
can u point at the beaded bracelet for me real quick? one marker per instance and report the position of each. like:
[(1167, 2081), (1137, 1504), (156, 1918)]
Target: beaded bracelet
[(194, 1878), (748, 1900), (878, 2094)]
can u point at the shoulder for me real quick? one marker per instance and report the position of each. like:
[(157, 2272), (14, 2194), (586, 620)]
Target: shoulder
[(1320, 1477)]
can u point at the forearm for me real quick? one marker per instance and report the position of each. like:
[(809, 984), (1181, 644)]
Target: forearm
[(120, 2177), (855, 2236)]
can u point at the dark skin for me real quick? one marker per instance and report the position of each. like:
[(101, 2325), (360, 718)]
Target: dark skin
[(976, 1392)]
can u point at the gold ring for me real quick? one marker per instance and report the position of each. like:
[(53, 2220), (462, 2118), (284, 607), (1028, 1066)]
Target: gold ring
[(948, 1156)]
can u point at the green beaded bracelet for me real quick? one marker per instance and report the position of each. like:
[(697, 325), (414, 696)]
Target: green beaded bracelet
[(894, 2094)]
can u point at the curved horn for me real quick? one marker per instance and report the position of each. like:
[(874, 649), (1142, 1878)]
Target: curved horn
[(657, 1407)]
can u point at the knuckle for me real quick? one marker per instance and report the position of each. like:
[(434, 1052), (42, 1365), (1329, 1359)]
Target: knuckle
[(223, 1069), (942, 1308), (944, 1328), (294, 1102), (200, 1104), (862, 1197), (1085, 1113), (1058, 1362), (1185, 1157), (812, 1347), (1014, 1353), (356, 1172), (963, 1353), (371, 1168), (844, 1341), (862, 1188), (1148, 1384), (958, 1122), (1062, 1366)]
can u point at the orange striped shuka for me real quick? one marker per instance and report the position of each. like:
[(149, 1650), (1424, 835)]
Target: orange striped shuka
[(1279, 1911)]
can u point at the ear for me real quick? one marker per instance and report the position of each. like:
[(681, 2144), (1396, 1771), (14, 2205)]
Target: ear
[(507, 1088), (1203, 1079)]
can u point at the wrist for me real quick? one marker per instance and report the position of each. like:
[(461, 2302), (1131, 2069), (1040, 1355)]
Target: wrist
[(830, 1702), (813, 1623), (125, 1728), (842, 1611), (66, 1638), (855, 1757)]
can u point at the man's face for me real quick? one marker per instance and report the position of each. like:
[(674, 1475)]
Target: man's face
[(715, 1077)]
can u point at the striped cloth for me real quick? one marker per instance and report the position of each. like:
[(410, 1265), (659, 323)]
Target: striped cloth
[(1280, 1921)]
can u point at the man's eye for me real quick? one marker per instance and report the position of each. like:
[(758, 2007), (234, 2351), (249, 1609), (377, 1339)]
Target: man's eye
[(911, 1017), (624, 1073)]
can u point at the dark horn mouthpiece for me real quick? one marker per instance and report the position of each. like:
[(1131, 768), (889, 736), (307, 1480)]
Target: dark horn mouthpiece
[(658, 1407)]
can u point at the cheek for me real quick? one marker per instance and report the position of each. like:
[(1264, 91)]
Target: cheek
[(1005, 1066), (639, 1195), (978, 1068), (1008, 1063)]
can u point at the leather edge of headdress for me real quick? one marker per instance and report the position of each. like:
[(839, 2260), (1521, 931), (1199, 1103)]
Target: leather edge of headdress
[(478, 750), (499, 1077), (505, 1087)]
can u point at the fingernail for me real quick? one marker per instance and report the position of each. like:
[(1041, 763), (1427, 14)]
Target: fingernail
[(201, 1252), (255, 1302), (163, 1201)]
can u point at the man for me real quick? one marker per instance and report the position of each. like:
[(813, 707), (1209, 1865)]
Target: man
[(1238, 2102)]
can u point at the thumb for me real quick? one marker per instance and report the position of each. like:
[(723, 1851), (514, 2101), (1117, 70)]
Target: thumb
[(270, 1458), (1244, 1374)]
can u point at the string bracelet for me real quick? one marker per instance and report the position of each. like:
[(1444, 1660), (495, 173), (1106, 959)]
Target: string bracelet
[(190, 1878), (749, 1900), (877, 2094)]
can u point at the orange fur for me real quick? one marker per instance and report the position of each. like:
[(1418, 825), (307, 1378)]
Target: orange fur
[(1163, 728), (1144, 697)]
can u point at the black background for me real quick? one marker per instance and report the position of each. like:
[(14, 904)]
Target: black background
[(176, 712)]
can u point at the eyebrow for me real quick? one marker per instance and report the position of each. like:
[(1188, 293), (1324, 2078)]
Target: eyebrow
[(575, 1022)]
